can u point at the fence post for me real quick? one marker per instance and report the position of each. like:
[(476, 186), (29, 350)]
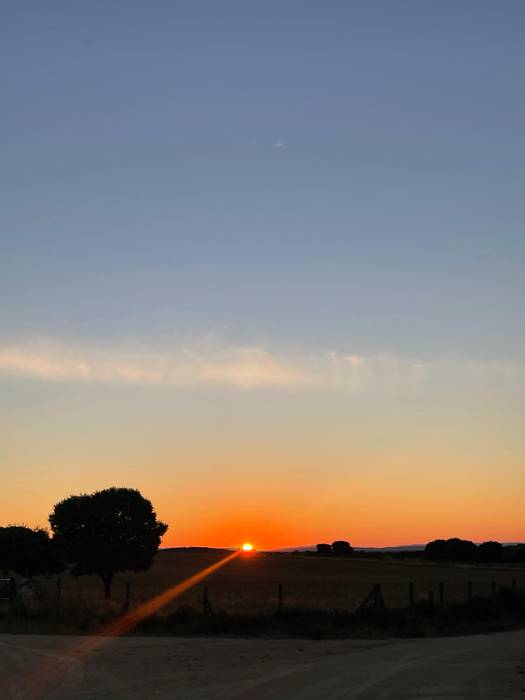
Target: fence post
[(513, 583), (493, 589), (441, 595), (12, 589), (206, 605), (379, 603), (469, 591), (431, 598), (411, 595), (280, 597), (58, 592)]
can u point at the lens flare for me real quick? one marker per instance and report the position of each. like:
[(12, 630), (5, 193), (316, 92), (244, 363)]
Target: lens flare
[(50, 672)]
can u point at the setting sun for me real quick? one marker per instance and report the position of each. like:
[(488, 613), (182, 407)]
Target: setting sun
[(247, 547)]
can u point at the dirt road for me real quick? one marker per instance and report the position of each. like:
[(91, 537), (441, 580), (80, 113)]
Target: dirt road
[(162, 667)]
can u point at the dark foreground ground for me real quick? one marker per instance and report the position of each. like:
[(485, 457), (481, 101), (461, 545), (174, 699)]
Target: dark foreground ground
[(63, 668)]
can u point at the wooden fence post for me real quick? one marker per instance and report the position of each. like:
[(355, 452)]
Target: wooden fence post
[(373, 600), (514, 583), (493, 589), (127, 597), (469, 591), (58, 592), (441, 595), (431, 598), (206, 604), (411, 595), (12, 589), (280, 604), (379, 603)]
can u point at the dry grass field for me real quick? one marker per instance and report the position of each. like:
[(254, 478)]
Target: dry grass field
[(250, 582), (320, 598)]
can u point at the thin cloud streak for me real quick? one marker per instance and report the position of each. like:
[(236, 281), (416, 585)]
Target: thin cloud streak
[(249, 367), (242, 367)]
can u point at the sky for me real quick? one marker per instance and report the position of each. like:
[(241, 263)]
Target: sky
[(265, 262)]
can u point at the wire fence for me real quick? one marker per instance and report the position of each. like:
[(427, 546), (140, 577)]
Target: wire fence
[(265, 596)]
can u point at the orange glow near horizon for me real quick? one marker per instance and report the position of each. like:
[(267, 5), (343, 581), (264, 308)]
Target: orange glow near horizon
[(392, 502), (388, 500), (247, 547)]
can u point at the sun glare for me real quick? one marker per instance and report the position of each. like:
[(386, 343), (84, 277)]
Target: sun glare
[(247, 547)]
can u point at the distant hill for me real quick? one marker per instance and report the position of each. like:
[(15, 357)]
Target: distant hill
[(195, 549), (398, 548), (312, 548)]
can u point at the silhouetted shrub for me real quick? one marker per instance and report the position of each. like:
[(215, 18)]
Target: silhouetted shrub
[(28, 552), (490, 551), (341, 548), (324, 549), (453, 549), (437, 549)]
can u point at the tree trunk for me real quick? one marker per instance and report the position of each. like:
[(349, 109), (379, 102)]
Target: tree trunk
[(107, 579)]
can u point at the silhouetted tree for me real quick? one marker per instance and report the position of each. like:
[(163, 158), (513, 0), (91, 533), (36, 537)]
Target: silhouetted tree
[(342, 548), (106, 532), (437, 549), (453, 549), (490, 551), (28, 552), (461, 550), (324, 549)]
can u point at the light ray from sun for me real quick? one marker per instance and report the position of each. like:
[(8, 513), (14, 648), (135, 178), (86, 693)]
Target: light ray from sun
[(38, 682)]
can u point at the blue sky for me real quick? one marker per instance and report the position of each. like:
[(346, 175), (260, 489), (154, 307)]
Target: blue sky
[(243, 191), (141, 169)]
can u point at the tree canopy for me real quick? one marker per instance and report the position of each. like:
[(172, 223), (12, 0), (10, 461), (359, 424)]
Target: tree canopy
[(342, 548), (456, 549), (106, 532), (28, 552), (490, 551), (323, 548)]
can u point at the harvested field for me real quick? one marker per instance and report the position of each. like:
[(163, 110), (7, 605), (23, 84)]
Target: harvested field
[(250, 582)]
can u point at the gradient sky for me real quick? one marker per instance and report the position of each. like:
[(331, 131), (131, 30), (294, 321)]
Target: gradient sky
[(265, 261)]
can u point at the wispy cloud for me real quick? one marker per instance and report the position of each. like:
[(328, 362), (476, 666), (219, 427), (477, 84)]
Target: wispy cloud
[(360, 374), (243, 367), (208, 363)]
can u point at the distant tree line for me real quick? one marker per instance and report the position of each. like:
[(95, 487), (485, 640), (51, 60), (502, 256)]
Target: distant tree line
[(458, 550), (453, 550), (339, 548), (100, 533)]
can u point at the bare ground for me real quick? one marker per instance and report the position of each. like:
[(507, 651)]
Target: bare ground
[(63, 667)]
